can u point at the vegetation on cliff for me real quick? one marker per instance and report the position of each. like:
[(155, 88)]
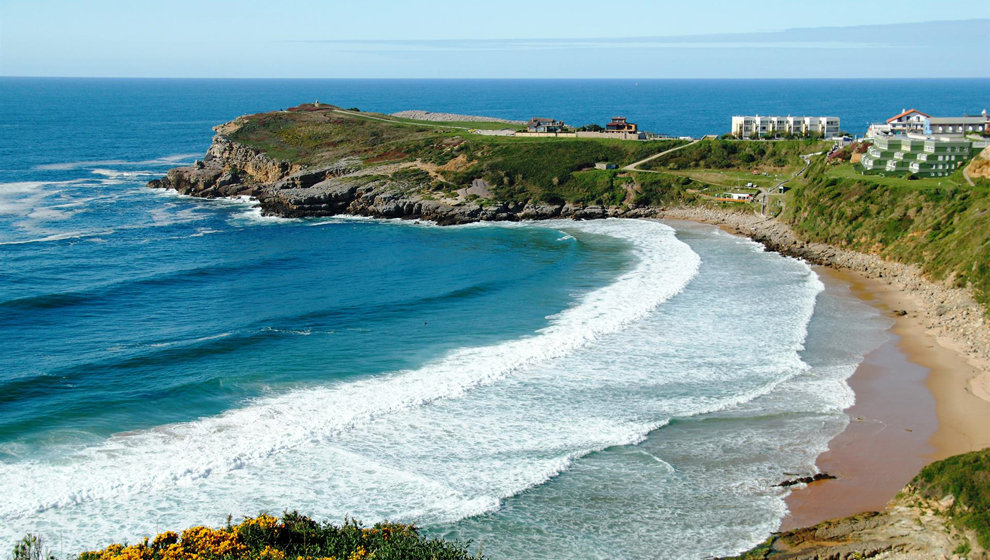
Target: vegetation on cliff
[(966, 477), (744, 155), (291, 537), (940, 226)]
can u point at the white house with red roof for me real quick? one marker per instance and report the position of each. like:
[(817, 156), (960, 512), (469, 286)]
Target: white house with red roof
[(910, 121)]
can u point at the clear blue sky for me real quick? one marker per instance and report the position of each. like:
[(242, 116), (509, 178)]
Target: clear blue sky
[(507, 39)]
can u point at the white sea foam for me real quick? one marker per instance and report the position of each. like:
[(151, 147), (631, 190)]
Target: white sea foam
[(125, 175), (459, 435), (163, 161), (57, 237)]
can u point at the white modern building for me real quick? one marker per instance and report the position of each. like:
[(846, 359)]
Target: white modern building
[(758, 126)]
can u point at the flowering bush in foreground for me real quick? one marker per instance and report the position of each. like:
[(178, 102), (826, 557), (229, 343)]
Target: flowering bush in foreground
[(293, 537)]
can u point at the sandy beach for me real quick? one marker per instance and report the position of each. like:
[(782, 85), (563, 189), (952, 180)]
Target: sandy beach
[(914, 404), (923, 395)]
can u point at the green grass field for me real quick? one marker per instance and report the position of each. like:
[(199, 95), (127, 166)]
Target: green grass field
[(855, 171)]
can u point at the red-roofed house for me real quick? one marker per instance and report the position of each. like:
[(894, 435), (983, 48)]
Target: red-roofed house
[(909, 120)]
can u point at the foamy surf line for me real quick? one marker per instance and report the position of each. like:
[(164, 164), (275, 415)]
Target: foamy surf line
[(128, 472)]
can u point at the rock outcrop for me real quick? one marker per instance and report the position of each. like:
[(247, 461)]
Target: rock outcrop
[(909, 528)]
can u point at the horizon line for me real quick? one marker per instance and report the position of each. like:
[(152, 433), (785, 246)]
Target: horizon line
[(544, 79)]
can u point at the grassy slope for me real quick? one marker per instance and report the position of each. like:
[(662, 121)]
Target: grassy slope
[(944, 228), (940, 224), (967, 477), (740, 156)]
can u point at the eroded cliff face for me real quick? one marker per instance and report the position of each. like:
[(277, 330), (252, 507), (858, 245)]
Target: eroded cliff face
[(342, 187), (229, 169)]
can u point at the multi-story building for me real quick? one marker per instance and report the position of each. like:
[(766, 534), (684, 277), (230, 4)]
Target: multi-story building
[(960, 126), (925, 157), (909, 121), (620, 124), (760, 126)]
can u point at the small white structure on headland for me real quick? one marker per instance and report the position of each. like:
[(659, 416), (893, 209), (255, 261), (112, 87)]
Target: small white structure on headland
[(757, 126), (737, 196)]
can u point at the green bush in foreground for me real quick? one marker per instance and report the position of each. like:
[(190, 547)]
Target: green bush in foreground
[(967, 477), (291, 537)]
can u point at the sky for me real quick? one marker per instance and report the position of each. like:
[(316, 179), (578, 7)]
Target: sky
[(496, 39)]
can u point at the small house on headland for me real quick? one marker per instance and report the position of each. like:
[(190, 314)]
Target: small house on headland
[(537, 124), (619, 124)]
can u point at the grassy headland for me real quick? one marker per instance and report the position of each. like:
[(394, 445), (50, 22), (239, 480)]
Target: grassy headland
[(516, 169), (939, 225)]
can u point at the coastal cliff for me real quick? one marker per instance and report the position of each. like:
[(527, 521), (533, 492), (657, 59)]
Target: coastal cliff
[(342, 187)]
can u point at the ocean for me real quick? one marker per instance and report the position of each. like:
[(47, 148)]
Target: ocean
[(604, 389)]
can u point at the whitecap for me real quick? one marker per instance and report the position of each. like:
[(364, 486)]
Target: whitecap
[(264, 454), (171, 160)]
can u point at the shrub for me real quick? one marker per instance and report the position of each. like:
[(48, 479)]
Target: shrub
[(293, 537)]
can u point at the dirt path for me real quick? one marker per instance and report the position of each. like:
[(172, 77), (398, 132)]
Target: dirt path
[(633, 166), (967, 177)]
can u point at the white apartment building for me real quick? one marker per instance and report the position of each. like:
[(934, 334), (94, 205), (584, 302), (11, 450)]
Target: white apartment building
[(759, 126)]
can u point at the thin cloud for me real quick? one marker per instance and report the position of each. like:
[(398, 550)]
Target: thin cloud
[(909, 35)]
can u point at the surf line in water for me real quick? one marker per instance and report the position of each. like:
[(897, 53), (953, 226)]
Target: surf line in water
[(130, 468)]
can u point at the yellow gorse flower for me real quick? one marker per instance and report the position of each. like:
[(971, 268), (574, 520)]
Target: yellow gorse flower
[(270, 553)]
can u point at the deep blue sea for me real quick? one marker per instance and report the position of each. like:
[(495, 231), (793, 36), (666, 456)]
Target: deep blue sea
[(619, 388)]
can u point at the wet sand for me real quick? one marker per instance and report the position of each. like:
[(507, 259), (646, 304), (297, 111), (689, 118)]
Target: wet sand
[(914, 404)]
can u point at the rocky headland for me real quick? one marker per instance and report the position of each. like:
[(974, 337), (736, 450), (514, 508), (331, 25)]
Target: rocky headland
[(343, 187)]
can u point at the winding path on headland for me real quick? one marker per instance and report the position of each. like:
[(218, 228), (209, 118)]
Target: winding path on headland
[(633, 166)]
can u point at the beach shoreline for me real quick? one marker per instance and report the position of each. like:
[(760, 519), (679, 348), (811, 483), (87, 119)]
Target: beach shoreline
[(921, 396)]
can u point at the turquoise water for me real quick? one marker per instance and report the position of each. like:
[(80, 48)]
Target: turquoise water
[(558, 389)]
